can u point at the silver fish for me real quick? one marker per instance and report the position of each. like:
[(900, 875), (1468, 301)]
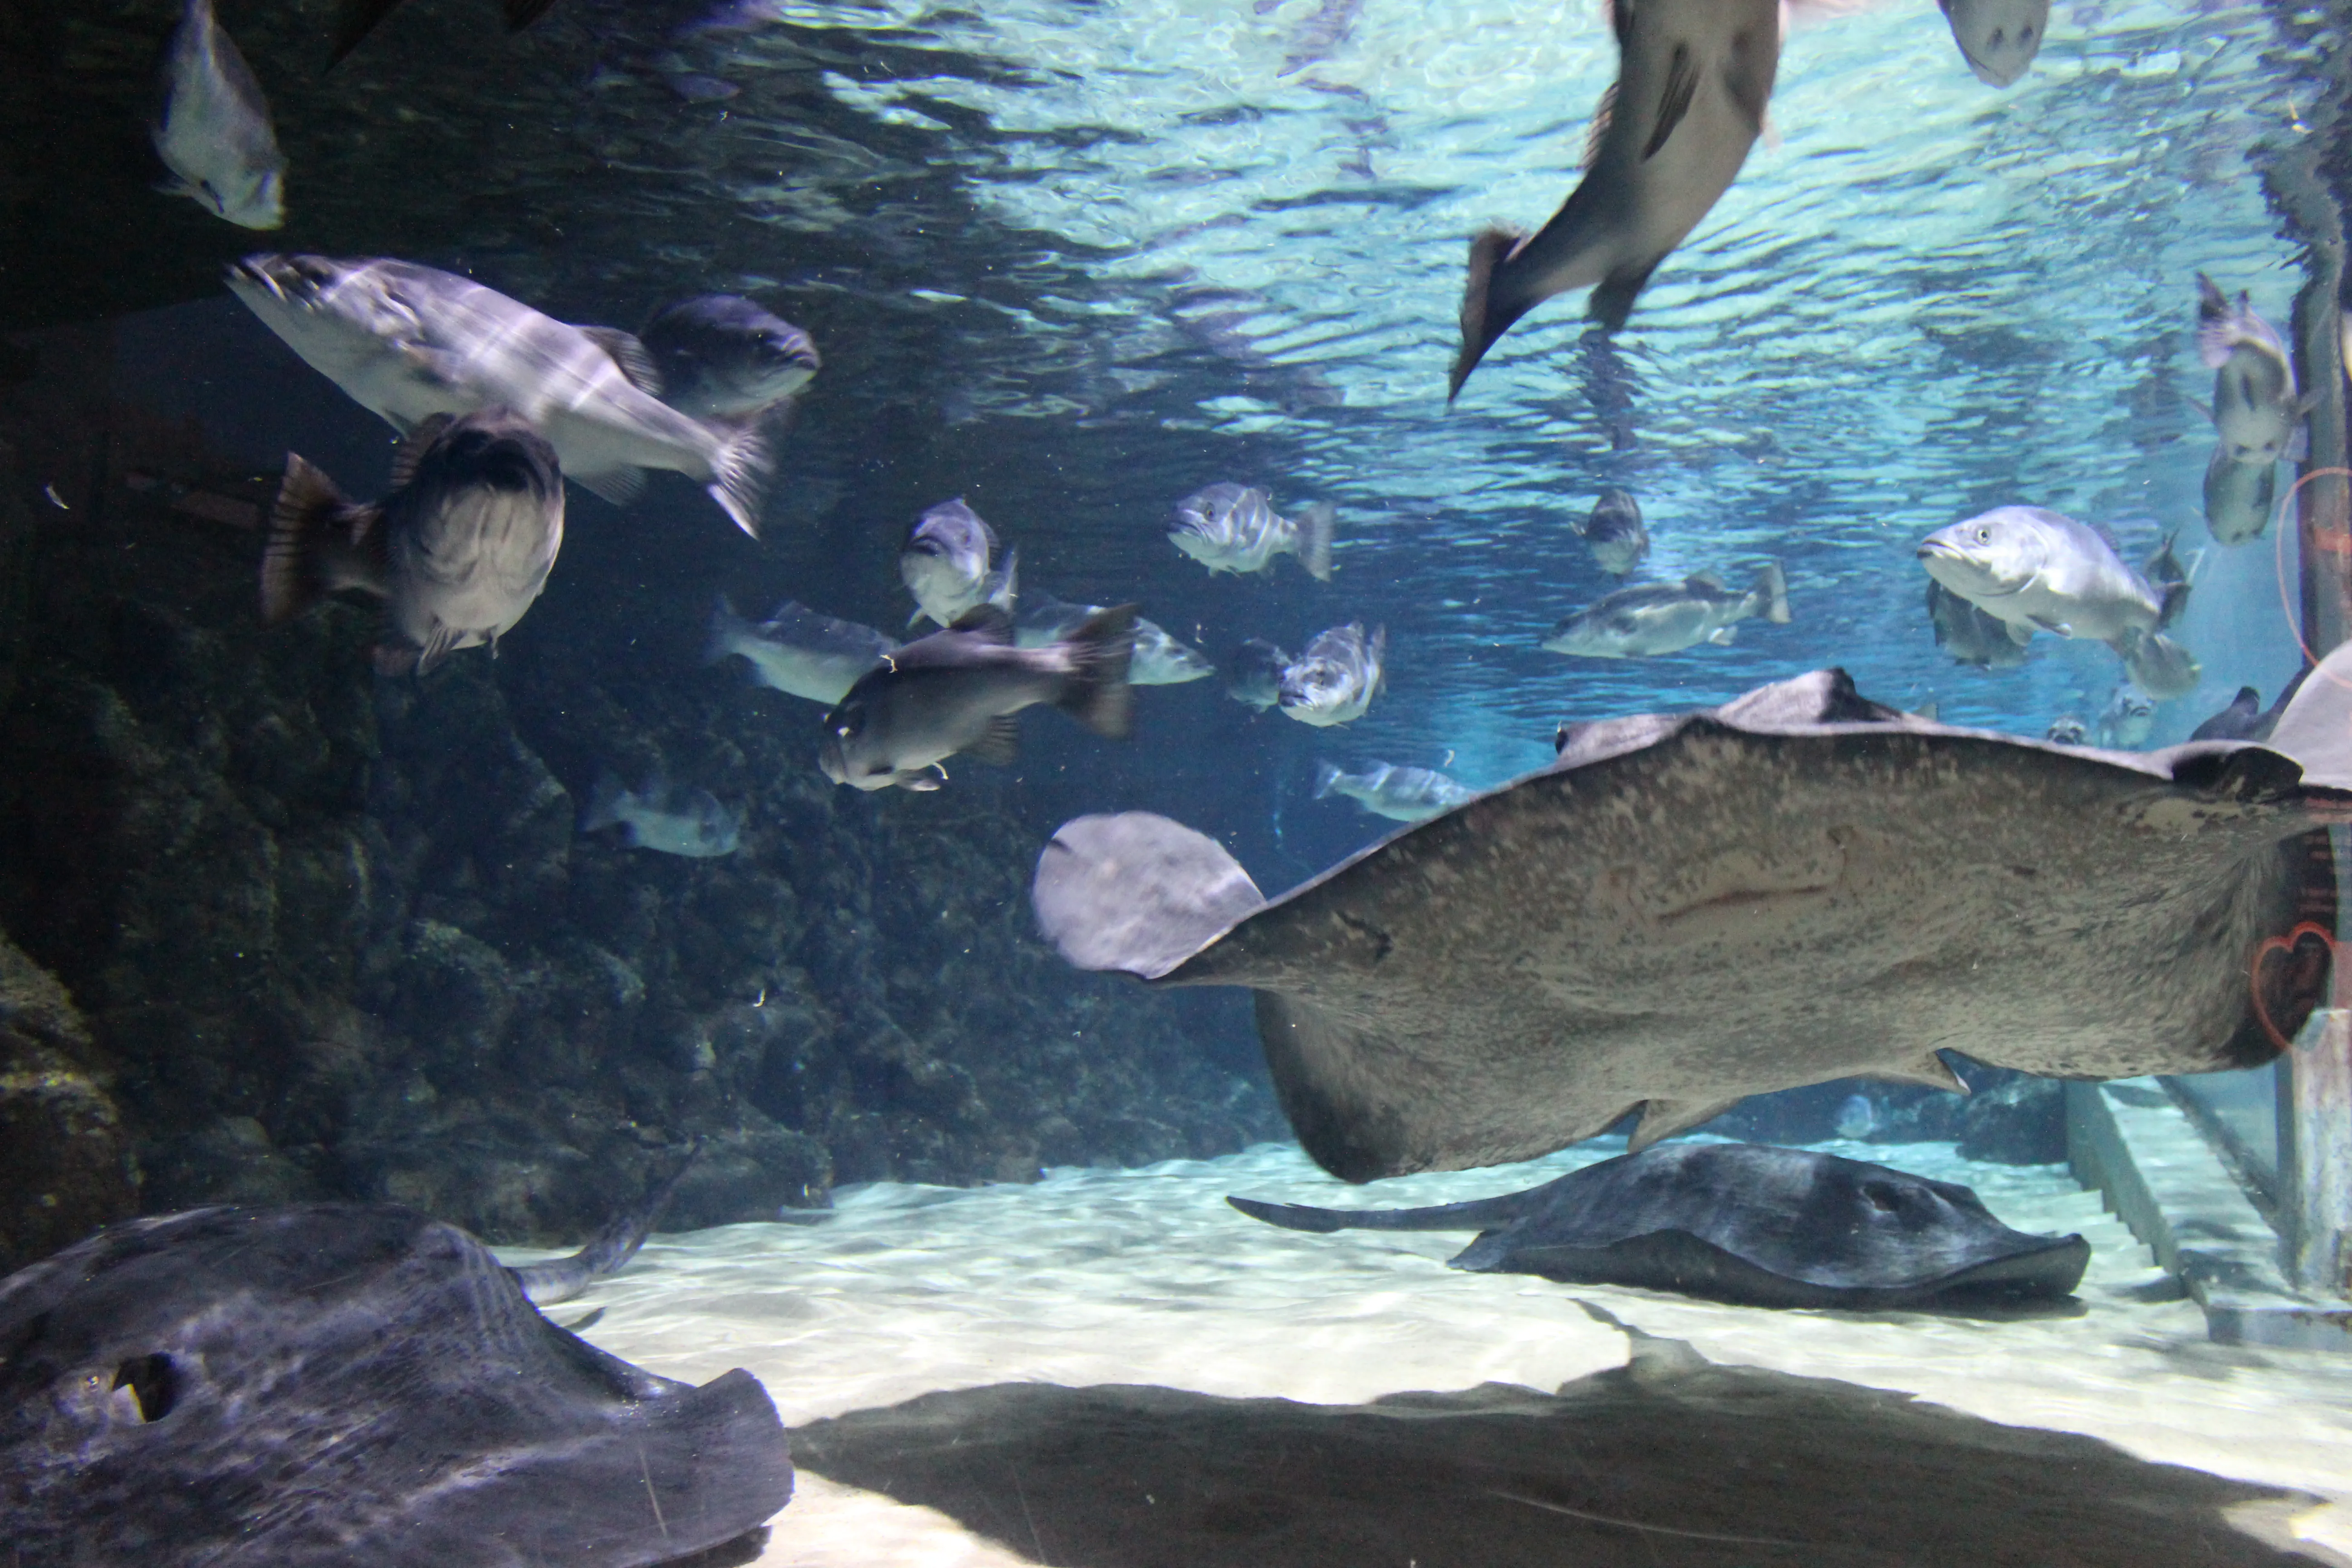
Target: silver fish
[(408, 341), (1968, 633), (1232, 528), (1693, 80), (213, 132), (1614, 532), (2255, 406), (1334, 680), (692, 823), (1999, 38), (2066, 730), (2238, 497), (1160, 660), (2128, 720), (1653, 618), (798, 651), (722, 357), (2034, 569), (1254, 674), (1401, 794), (459, 550), (2157, 664), (945, 564), (957, 690)]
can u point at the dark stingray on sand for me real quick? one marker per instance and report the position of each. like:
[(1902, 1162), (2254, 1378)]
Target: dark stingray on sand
[(1745, 1222), (1799, 886), (325, 1385)]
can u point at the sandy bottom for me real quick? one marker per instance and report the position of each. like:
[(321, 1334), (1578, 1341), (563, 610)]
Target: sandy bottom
[(1146, 1278)]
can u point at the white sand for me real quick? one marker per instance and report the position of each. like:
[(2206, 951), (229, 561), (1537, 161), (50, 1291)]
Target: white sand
[(1147, 1276)]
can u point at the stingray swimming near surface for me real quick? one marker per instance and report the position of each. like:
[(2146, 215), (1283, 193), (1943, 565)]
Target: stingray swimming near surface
[(324, 1384), (1799, 886), (1745, 1222)]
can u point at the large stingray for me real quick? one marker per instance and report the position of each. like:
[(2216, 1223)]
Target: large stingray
[(332, 1384), (1742, 1222), (1801, 885)]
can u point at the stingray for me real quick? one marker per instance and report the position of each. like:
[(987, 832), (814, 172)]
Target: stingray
[(330, 1383), (1744, 1223), (1799, 886)]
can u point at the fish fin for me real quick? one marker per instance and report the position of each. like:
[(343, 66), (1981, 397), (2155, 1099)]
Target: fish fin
[(2298, 446), (630, 355), (1000, 745), (438, 646), (2176, 599), (521, 14), (1928, 1070), (1004, 583), (1326, 775), (413, 443), (604, 802), (618, 486), (2019, 632), (1675, 99), (2315, 729), (991, 623), (1721, 637), (925, 782), (1602, 118), (1484, 318), (1664, 1118), (1771, 592), (1096, 693), (727, 629), (914, 619), (2217, 324), (1704, 580), (353, 22), (743, 463), (2056, 628), (315, 544), (1613, 298), (1930, 711), (1317, 521), (2204, 409)]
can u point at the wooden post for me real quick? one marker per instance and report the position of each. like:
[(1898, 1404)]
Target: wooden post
[(2318, 1080)]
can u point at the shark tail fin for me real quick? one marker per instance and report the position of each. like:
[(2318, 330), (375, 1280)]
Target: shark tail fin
[(1772, 594), (1317, 521), (317, 543), (1326, 777), (1483, 319), (1096, 693), (741, 480)]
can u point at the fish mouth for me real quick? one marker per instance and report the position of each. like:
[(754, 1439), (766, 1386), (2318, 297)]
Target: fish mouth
[(1985, 73)]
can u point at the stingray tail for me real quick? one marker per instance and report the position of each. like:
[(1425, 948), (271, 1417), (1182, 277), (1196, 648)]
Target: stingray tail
[(1485, 317), (547, 1283), (1479, 1214)]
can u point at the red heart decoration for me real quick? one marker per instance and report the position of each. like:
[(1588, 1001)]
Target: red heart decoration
[(2299, 982)]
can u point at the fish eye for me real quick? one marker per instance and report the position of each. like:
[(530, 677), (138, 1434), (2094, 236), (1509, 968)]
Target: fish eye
[(1984, 536)]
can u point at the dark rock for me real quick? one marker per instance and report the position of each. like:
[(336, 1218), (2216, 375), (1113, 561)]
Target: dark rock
[(66, 1164)]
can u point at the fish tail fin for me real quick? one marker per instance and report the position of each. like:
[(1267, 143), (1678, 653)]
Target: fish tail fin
[(2176, 598), (2217, 324), (1317, 521), (1484, 318), (317, 545), (1772, 594), (727, 629), (1326, 777), (741, 480), (1613, 298), (1004, 583), (1096, 693), (604, 803)]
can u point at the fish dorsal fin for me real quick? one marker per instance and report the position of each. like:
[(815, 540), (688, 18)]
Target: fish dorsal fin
[(630, 356), (1000, 745), (1705, 580), (413, 446), (991, 623), (1602, 116), (1674, 101)]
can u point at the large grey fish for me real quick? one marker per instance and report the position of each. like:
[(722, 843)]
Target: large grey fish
[(1160, 660), (691, 824), (2238, 497), (1334, 680), (1651, 618), (1999, 38), (957, 691), (2034, 569), (945, 564), (796, 650), (2255, 405), (722, 357), (1232, 528), (459, 550), (1799, 886), (1614, 532), (357, 19), (408, 341), (319, 1384), (1401, 795), (1968, 633), (212, 128), (1254, 673), (1745, 1222), (1693, 79)]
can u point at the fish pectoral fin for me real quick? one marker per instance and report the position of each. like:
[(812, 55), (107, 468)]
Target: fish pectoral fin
[(2298, 446), (1000, 745), (438, 646), (630, 355), (1664, 1118), (619, 485), (1674, 101), (2019, 632), (923, 782), (2204, 409), (412, 443), (2056, 629), (1720, 636), (1602, 116), (1704, 580)]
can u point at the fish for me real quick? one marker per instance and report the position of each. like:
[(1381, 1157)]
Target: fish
[(693, 824), (1999, 38), (1614, 532), (1253, 674), (323, 1384), (1857, 1117), (722, 357), (2157, 664), (1744, 1223), (409, 341), (796, 650), (1858, 889), (2255, 406), (957, 691), (1232, 528), (357, 19), (1401, 795), (2067, 729), (459, 549), (2238, 497), (1693, 80), (1158, 659), (1653, 618), (1334, 680), (2036, 570), (213, 129), (945, 564), (1968, 633), (2235, 723), (2128, 719)]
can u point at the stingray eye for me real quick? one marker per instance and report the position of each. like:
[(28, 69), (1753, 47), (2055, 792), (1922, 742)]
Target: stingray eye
[(1995, 39), (153, 1380), (1882, 1197)]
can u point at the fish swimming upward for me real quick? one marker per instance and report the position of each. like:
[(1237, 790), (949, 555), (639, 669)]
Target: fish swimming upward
[(213, 132), (2255, 407), (1667, 141)]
